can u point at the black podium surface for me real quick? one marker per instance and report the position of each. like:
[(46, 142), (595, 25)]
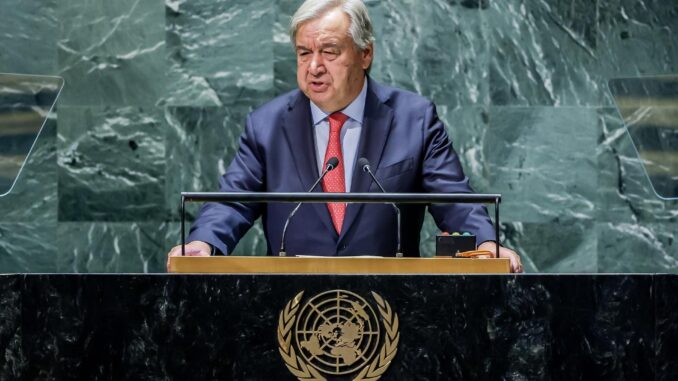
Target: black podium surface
[(223, 327)]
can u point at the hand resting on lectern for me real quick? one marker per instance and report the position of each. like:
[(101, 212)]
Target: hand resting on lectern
[(193, 249)]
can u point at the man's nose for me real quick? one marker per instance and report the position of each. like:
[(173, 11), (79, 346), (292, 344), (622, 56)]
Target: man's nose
[(317, 65)]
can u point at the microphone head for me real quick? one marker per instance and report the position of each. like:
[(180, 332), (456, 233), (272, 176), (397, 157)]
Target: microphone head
[(332, 163), (363, 163)]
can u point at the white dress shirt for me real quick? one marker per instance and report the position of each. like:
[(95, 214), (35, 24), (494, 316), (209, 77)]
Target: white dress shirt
[(350, 133)]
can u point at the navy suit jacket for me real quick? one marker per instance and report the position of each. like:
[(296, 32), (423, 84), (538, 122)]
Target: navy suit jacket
[(402, 138)]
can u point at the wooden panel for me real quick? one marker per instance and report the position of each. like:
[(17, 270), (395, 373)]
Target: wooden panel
[(337, 265)]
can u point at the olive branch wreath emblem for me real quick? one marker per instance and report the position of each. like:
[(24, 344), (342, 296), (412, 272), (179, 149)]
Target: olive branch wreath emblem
[(306, 372)]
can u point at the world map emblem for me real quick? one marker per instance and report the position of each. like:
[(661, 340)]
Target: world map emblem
[(338, 334)]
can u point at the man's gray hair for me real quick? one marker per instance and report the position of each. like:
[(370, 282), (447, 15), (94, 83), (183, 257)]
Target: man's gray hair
[(361, 25)]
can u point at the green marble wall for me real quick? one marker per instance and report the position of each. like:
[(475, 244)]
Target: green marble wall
[(156, 94)]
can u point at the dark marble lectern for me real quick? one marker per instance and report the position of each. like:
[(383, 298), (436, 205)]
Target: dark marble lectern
[(226, 327)]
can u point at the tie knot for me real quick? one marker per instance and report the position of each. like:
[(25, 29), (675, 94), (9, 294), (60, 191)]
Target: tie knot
[(337, 121)]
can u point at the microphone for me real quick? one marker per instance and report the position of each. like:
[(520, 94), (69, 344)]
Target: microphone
[(364, 164), (332, 163)]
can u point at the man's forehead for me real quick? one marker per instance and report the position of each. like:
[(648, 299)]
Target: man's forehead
[(319, 42), (332, 25)]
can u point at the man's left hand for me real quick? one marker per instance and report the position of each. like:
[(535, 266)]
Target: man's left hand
[(516, 265)]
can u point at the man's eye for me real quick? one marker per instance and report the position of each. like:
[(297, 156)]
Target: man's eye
[(330, 53)]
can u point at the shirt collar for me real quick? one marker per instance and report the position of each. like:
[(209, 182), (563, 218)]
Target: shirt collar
[(355, 110)]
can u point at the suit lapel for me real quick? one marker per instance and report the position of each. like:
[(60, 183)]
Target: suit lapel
[(298, 128), (376, 127)]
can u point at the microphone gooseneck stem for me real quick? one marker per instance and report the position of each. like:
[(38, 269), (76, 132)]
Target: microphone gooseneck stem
[(282, 252), (367, 169)]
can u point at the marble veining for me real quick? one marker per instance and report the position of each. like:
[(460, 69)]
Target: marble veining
[(156, 94), (119, 327)]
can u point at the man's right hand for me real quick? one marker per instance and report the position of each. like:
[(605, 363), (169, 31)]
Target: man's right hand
[(193, 249)]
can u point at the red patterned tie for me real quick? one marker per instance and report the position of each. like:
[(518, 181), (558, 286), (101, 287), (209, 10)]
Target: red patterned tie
[(334, 181)]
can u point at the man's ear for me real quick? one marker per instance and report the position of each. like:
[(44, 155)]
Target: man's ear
[(366, 56)]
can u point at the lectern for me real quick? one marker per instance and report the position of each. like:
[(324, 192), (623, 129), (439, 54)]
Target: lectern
[(263, 327), (337, 265)]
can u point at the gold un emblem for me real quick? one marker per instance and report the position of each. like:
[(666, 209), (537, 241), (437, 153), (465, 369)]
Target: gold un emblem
[(338, 333)]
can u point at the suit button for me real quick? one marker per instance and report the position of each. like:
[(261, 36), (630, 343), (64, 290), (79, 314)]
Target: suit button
[(343, 247)]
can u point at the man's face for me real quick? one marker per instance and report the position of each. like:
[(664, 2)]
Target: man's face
[(330, 68)]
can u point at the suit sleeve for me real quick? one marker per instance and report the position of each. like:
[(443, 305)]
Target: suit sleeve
[(222, 225), (442, 173)]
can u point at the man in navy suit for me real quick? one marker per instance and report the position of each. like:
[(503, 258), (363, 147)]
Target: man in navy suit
[(338, 111)]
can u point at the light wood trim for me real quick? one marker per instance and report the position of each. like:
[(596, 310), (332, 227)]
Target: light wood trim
[(337, 265)]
